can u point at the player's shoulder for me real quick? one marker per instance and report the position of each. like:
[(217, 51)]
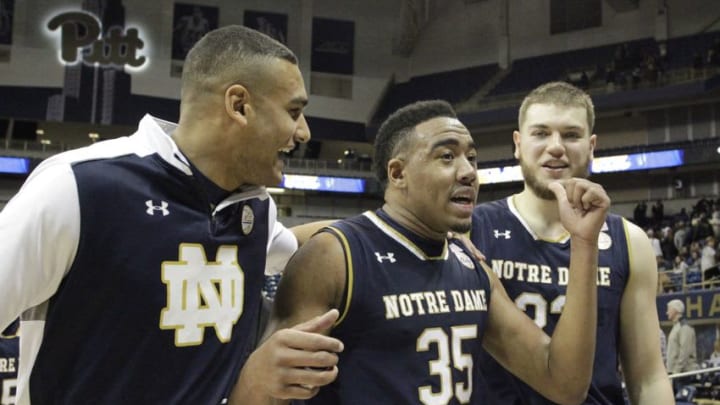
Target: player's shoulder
[(491, 209)]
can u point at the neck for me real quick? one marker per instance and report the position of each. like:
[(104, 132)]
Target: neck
[(201, 141), (541, 215), (410, 221)]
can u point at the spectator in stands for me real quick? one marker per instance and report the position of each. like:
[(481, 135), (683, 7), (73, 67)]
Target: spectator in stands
[(610, 77), (654, 242), (693, 259), (683, 216), (652, 73), (708, 254), (681, 349), (715, 355), (640, 214), (658, 213), (584, 82), (667, 244), (681, 233), (714, 221), (699, 228)]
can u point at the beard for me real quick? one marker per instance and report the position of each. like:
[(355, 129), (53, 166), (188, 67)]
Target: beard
[(539, 187), (461, 228)]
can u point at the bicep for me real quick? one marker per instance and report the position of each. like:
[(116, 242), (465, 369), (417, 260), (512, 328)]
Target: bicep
[(312, 283), (639, 342)]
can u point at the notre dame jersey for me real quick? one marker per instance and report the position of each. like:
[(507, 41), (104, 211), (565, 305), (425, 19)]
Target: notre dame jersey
[(9, 351), (413, 319), (136, 286), (535, 274)]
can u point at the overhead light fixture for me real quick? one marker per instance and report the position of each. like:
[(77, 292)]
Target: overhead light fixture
[(94, 136), (275, 190), (40, 132), (45, 141)]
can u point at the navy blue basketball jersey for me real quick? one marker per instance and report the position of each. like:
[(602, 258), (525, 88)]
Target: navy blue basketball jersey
[(138, 287), (9, 351), (535, 275), (413, 319)]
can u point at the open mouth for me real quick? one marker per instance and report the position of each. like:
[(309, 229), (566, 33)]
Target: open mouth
[(284, 152), (462, 200)]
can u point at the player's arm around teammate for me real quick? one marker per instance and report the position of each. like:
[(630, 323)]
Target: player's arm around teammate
[(312, 286), (560, 367), (644, 372)]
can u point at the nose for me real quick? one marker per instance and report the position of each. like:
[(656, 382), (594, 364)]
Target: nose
[(555, 144), (302, 133), (467, 172)]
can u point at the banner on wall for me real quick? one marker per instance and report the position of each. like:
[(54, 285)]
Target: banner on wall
[(190, 23), (7, 10), (701, 306), (273, 25), (333, 46)]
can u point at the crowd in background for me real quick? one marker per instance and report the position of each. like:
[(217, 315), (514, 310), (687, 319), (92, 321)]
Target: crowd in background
[(685, 244)]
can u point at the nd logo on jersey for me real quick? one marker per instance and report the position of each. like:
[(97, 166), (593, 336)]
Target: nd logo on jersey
[(202, 294)]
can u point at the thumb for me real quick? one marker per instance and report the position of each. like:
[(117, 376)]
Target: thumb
[(559, 190), (320, 323)]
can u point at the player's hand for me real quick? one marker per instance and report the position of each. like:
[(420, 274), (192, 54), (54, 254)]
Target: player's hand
[(583, 206), (294, 363), (463, 238)]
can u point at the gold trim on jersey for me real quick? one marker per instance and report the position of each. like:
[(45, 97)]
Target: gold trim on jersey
[(630, 252), (349, 272), (401, 239)]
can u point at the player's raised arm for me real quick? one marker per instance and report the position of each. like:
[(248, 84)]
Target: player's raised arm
[(296, 357), (560, 367)]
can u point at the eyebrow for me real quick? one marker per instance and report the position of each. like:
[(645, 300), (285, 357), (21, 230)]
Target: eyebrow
[(451, 142)]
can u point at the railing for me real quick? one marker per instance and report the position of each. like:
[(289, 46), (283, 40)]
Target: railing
[(672, 281), (31, 148), (342, 167)]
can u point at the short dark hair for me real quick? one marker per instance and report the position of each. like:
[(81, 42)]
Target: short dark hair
[(228, 55), (399, 125)]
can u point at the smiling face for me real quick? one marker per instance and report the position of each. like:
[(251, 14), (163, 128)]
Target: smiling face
[(438, 175), (553, 143), (275, 123)]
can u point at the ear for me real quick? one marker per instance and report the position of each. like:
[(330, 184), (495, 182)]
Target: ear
[(593, 143), (237, 99), (396, 172), (516, 142)]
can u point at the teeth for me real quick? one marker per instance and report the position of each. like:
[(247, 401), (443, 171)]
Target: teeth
[(285, 150)]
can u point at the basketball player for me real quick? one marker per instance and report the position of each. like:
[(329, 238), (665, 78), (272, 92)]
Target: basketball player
[(415, 308), (9, 351), (137, 263), (529, 246)]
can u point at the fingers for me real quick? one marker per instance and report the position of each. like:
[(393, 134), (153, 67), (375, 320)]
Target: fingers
[(463, 238), (580, 194), (306, 382), (320, 323), (559, 190)]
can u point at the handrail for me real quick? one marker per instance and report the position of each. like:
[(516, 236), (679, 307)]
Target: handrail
[(694, 372)]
